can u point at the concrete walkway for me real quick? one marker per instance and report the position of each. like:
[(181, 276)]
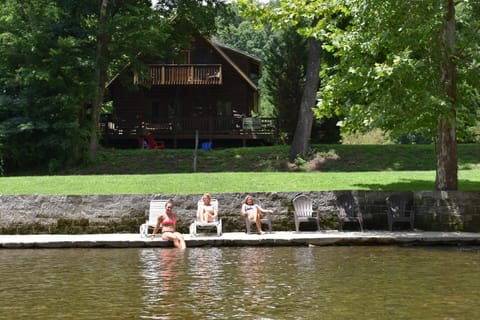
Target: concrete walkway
[(281, 238)]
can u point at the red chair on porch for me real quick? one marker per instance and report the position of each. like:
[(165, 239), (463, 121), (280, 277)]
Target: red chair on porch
[(154, 144)]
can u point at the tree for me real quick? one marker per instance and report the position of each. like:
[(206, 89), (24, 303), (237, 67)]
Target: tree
[(283, 77), (397, 72), (301, 138), (55, 59), (123, 29), (44, 80), (447, 172), (101, 66), (240, 33), (283, 54), (311, 18)]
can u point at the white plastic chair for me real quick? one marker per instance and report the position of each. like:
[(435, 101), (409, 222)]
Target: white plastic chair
[(303, 206), (157, 207), (217, 223)]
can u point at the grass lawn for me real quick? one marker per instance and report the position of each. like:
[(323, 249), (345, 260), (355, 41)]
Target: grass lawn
[(197, 183), (259, 169)]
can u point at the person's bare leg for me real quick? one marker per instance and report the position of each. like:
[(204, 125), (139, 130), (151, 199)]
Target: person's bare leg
[(176, 238), (181, 242), (258, 222)]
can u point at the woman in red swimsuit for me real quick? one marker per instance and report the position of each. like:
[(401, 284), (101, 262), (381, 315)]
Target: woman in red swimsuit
[(168, 221)]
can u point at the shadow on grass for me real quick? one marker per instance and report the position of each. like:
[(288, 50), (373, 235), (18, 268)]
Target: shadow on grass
[(418, 185)]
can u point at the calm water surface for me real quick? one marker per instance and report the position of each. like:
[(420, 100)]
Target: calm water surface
[(241, 283)]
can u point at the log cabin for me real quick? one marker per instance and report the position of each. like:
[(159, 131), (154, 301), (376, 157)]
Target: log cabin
[(208, 92)]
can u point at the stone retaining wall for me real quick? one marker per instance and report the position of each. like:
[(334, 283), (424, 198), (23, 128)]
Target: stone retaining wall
[(33, 214)]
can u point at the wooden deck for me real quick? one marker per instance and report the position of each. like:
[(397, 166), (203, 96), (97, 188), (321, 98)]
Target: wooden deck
[(208, 128)]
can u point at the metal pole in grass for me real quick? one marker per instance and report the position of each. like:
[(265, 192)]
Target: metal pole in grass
[(195, 153)]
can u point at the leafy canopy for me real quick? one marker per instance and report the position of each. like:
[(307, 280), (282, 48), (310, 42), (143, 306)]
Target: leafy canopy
[(390, 59)]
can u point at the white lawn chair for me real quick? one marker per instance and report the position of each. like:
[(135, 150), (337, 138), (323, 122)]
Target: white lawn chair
[(303, 206), (157, 207), (217, 223)]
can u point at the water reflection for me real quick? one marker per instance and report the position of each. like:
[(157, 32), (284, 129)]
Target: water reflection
[(240, 283), (159, 275)]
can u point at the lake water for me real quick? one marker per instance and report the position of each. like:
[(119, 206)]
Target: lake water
[(241, 283)]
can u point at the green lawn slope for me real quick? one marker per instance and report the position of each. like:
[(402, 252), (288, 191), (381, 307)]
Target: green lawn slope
[(253, 169)]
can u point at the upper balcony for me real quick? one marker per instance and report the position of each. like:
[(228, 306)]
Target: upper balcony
[(184, 74)]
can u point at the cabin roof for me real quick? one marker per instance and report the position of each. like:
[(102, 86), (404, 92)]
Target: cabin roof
[(221, 50), (232, 64), (241, 52)]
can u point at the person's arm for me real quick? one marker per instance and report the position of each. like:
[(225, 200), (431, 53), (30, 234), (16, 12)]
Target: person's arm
[(159, 223), (244, 212), (264, 210), (199, 212)]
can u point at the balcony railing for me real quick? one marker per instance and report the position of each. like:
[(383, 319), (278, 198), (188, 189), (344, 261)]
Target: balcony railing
[(184, 74)]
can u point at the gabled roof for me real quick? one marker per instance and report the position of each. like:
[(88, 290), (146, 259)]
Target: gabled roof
[(241, 52), (219, 48)]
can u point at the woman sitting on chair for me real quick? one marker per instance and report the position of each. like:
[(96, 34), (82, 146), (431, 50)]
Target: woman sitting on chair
[(206, 212), (168, 221), (254, 212)]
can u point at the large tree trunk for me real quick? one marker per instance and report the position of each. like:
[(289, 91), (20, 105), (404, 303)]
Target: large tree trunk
[(103, 39), (446, 149), (301, 138)]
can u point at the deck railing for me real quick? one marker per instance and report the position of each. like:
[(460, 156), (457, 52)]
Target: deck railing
[(204, 125), (184, 74)]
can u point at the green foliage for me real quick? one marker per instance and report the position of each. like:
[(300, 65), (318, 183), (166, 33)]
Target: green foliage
[(241, 33), (45, 79), (333, 157), (388, 75), (314, 21), (300, 163), (283, 77), (374, 137), (50, 69)]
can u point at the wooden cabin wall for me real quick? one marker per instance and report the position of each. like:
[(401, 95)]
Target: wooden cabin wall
[(247, 65), (164, 103), (127, 105)]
